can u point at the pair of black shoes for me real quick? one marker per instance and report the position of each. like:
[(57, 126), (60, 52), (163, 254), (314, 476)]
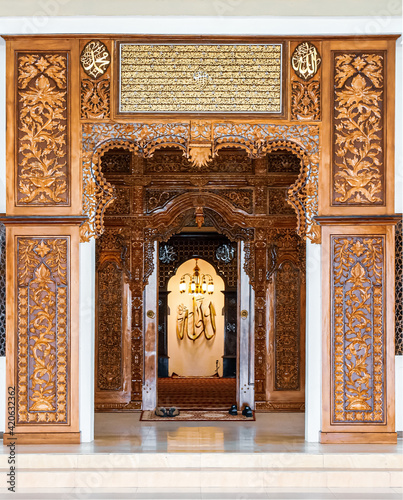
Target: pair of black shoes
[(246, 412), (164, 412)]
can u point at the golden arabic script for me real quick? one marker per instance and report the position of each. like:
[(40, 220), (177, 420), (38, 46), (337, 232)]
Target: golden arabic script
[(95, 58), (305, 60)]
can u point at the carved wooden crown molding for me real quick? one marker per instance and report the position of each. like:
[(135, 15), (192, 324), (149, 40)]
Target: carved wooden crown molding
[(256, 139)]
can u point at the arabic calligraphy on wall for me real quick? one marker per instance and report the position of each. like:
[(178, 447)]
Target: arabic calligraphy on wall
[(197, 321), (195, 325)]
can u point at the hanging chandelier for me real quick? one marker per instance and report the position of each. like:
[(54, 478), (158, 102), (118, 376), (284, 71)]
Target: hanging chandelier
[(198, 283)]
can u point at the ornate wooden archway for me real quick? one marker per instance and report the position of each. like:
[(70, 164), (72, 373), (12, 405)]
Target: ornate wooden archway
[(339, 121), (234, 206)]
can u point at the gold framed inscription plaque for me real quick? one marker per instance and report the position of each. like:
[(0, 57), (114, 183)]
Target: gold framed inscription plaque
[(189, 78)]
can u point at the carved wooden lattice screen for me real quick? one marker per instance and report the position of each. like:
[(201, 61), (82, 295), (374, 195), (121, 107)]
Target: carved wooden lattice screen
[(2, 290), (399, 288)]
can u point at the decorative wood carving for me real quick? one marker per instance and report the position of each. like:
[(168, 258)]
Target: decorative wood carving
[(137, 286), (122, 202), (358, 343), (256, 140), (42, 330), (117, 162), (283, 163), (282, 385), (287, 347), (95, 99), (2, 289), (156, 199), (358, 156), (42, 154), (240, 198), (112, 272), (110, 327), (278, 202), (305, 100), (280, 407), (399, 287), (174, 161)]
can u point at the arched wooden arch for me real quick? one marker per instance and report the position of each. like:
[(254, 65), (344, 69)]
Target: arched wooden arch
[(256, 140)]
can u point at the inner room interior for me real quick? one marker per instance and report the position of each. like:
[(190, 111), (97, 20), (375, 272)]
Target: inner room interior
[(212, 218)]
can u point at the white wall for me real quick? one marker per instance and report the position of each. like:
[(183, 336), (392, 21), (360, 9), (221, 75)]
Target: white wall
[(313, 373), (87, 339), (195, 357), (383, 20)]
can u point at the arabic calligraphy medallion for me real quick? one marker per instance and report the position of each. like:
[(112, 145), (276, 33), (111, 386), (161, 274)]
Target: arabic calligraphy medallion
[(225, 253), (305, 60), (95, 59)]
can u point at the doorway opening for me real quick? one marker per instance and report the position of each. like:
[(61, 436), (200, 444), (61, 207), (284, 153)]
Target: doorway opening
[(197, 332), (152, 229)]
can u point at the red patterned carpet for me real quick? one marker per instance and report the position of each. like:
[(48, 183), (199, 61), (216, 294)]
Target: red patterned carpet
[(197, 393)]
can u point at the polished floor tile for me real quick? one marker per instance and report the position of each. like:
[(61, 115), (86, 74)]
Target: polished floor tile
[(270, 433)]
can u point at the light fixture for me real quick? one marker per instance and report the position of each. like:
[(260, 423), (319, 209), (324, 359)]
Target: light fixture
[(198, 283)]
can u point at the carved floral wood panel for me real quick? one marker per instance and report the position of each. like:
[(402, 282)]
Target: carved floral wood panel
[(110, 327), (305, 100), (358, 151), (358, 337), (42, 330), (95, 99), (287, 352), (42, 131)]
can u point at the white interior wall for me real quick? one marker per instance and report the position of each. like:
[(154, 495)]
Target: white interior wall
[(313, 343), (383, 20), (87, 339), (198, 357)]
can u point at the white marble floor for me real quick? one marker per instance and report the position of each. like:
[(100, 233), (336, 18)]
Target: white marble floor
[(264, 441), (270, 433)]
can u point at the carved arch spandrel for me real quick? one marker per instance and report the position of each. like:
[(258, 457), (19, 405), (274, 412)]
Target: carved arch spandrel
[(144, 140), (161, 227)]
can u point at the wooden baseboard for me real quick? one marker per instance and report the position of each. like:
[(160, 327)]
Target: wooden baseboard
[(42, 438), (279, 407), (358, 437)]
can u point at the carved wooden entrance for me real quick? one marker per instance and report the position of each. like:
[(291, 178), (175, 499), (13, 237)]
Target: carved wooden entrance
[(241, 198), (329, 101)]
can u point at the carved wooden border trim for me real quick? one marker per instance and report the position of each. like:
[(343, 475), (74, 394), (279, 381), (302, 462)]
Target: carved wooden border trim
[(256, 139)]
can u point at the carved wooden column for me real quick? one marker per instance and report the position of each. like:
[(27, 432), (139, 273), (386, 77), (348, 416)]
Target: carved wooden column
[(356, 206), (42, 221), (286, 322)]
